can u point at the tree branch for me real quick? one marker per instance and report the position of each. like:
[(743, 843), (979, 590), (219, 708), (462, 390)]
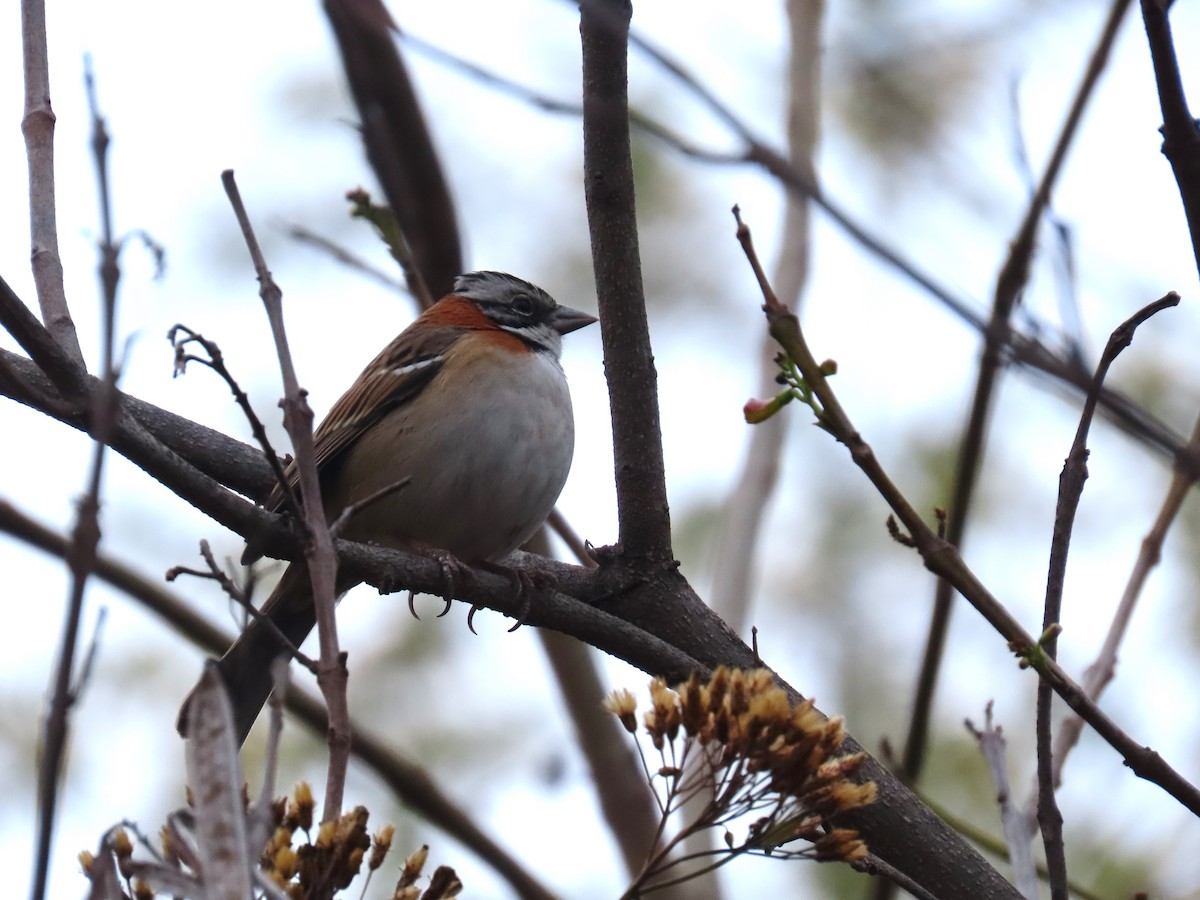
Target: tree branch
[(397, 142), (1181, 135), (642, 510), (37, 125)]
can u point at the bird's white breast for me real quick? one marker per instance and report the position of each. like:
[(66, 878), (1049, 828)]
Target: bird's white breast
[(487, 456)]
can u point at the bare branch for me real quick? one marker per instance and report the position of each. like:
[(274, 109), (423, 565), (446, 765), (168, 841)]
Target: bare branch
[(1181, 135), (319, 554), (215, 360), (1071, 481), (943, 559), (397, 141), (85, 538), (344, 256), (993, 747), (1010, 283), (1102, 669), (411, 784), (37, 125), (645, 522)]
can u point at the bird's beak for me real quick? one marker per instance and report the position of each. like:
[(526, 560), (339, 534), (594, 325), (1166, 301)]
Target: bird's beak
[(565, 320)]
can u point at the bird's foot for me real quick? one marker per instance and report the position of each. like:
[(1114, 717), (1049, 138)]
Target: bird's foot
[(453, 570), (525, 585)]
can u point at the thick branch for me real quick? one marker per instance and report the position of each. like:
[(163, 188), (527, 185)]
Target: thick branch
[(645, 521), (659, 625), (411, 783)]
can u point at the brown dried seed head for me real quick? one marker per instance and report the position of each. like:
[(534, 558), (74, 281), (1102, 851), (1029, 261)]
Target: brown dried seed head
[(286, 862), (761, 680), (121, 844), (718, 689), (325, 835), (694, 707), (87, 859), (383, 843), (413, 866), (666, 708), (280, 837), (771, 706), (840, 844), (840, 767), (303, 804), (622, 704), (739, 699), (444, 883), (851, 796)]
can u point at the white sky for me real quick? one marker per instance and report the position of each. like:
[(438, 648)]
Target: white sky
[(189, 91)]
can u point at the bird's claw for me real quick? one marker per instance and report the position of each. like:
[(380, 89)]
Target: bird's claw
[(450, 567), (525, 585)]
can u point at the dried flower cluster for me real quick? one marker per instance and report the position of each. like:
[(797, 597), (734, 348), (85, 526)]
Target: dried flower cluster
[(318, 866), (740, 745)]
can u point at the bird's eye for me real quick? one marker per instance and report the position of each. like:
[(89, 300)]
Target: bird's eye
[(522, 304)]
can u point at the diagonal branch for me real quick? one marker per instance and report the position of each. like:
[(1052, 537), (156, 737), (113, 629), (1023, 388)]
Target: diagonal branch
[(410, 783), (943, 559), (659, 626)]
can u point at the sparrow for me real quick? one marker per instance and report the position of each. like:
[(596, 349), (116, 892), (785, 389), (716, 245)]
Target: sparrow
[(469, 404)]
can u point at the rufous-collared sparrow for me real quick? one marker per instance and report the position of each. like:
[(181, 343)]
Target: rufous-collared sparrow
[(470, 404)]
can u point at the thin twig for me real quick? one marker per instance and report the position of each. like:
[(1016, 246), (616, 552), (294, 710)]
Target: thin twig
[(994, 749), (1071, 481), (216, 361), (213, 573), (1010, 283), (943, 559), (319, 553), (387, 226), (85, 538), (242, 598), (345, 257), (1101, 670)]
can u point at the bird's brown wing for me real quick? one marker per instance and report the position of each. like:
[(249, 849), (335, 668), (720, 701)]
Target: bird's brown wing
[(401, 371)]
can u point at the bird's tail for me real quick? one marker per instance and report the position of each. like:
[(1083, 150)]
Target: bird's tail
[(246, 665)]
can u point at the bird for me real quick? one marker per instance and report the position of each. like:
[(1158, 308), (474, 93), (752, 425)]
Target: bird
[(468, 415)]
